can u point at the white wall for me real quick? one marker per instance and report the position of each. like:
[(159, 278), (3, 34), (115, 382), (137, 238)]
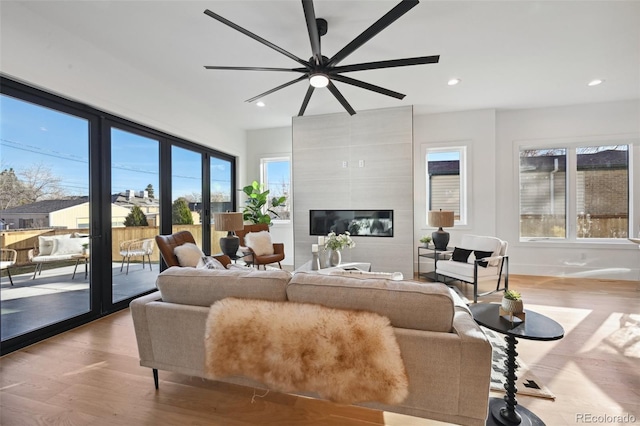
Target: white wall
[(492, 138), (269, 143), (591, 122), (476, 131)]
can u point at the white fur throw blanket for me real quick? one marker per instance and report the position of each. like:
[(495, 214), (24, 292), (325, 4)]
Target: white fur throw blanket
[(344, 356)]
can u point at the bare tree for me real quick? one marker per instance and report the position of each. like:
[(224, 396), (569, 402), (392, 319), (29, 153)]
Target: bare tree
[(32, 184)]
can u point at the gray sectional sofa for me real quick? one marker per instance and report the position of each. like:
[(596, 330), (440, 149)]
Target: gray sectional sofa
[(446, 356)]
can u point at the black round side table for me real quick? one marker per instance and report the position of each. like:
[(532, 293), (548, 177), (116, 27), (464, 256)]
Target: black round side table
[(536, 326)]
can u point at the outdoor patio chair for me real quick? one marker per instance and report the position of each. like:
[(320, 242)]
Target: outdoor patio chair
[(7, 260), (134, 248)]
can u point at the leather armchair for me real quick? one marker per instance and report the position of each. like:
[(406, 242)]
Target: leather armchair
[(278, 248), (166, 244)]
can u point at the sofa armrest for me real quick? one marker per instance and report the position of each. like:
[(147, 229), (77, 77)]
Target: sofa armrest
[(475, 365), (141, 324)]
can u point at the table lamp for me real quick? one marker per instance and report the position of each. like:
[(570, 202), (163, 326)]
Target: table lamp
[(230, 222), (440, 219)]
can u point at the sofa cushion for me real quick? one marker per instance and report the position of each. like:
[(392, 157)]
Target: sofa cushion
[(188, 255), (67, 246), (45, 243), (419, 306), (465, 269), (203, 287), (260, 242)]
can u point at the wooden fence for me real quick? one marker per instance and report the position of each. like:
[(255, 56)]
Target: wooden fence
[(24, 240)]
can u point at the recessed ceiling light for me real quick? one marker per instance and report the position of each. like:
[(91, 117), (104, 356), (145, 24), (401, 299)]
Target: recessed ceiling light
[(595, 82), (260, 104), (453, 81)]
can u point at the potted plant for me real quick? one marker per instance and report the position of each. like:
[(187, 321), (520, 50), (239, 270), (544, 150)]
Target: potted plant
[(426, 239), (85, 249), (512, 302), (259, 208)]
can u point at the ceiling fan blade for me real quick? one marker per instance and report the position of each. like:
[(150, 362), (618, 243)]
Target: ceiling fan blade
[(333, 89), (215, 67), (255, 37), (421, 60), (389, 18), (312, 27), (368, 86), (305, 102), (282, 86)]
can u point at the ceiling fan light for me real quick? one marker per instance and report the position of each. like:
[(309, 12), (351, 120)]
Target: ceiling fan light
[(319, 80), (260, 104)]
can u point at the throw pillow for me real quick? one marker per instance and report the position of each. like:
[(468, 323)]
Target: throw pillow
[(481, 255), (460, 254), (45, 244), (62, 246), (188, 254), (260, 242), (208, 262)]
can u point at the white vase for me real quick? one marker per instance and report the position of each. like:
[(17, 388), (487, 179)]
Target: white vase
[(513, 306), (335, 258)]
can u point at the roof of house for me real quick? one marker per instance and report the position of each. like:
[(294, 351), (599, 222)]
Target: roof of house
[(47, 206)]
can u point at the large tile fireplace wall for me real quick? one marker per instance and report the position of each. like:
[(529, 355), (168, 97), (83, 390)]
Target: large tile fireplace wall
[(360, 162)]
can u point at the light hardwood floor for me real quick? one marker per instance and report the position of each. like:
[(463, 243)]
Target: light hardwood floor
[(91, 376)]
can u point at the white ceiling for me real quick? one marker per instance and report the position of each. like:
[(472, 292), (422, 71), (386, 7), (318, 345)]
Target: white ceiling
[(515, 54)]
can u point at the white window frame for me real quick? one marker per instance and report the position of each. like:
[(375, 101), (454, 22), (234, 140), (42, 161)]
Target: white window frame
[(571, 145), (463, 152), (264, 181)]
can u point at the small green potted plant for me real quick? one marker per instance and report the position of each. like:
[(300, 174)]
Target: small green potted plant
[(85, 249), (512, 302), (426, 239)]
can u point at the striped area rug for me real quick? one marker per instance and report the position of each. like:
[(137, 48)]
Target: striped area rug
[(527, 383)]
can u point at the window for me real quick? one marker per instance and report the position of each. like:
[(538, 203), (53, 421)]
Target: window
[(446, 181), (602, 191), (574, 192), (276, 177), (543, 193)]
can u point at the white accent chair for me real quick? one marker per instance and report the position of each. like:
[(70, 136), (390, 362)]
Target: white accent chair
[(7, 260), (488, 260)]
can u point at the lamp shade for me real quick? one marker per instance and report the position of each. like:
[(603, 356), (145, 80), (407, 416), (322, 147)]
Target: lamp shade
[(441, 219), (229, 221)]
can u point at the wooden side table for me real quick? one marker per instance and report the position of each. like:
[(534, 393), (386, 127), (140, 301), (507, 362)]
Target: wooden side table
[(506, 411)]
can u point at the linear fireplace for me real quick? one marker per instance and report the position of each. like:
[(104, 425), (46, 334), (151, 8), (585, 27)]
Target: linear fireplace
[(361, 223)]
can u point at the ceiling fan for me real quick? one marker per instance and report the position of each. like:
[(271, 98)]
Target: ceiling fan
[(322, 71)]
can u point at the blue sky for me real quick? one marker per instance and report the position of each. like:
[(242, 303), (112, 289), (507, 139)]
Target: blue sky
[(31, 134)]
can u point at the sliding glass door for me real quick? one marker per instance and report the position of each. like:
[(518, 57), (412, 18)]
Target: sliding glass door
[(135, 213), (83, 194), (45, 205)]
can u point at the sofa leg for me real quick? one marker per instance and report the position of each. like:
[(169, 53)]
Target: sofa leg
[(155, 377)]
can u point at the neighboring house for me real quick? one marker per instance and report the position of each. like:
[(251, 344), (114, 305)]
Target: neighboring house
[(72, 213), (129, 198)]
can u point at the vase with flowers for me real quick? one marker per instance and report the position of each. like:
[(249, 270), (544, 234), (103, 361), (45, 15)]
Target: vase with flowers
[(335, 243)]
